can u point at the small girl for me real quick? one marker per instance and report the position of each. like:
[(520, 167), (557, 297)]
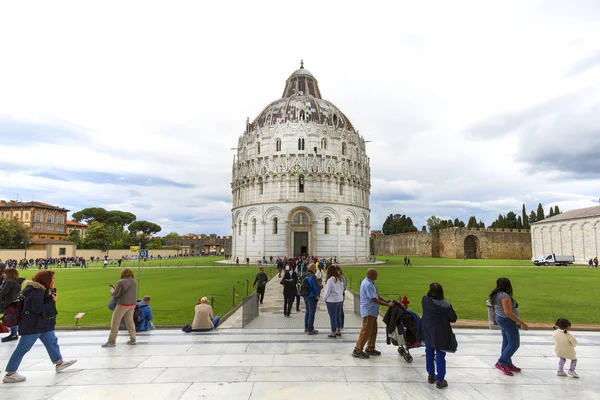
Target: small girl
[(564, 346)]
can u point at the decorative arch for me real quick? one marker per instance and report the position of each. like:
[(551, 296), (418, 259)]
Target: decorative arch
[(471, 246)]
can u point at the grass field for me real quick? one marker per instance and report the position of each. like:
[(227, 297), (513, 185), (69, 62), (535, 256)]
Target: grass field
[(543, 294), (174, 292), (165, 262)]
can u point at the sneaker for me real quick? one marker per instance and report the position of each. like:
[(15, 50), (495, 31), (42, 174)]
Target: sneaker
[(359, 354), (373, 352), (65, 365), (431, 379), (504, 369), (13, 378), (441, 384), (129, 342), (573, 374), (9, 338), (108, 344), (313, 332), (513, 368), (305, 330), (561, 373)]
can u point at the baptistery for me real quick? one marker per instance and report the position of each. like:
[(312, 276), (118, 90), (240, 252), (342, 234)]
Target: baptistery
[(301, 180)]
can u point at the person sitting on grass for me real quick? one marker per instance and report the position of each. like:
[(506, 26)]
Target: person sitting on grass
[(204, 319)]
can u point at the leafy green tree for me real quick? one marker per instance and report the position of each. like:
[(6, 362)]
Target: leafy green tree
[(13, 234), (143, 230), (74, 237), (98, 236), (481, 224), (172, 235), (397, 223), (90, 214), (155, 244), (525, 218), (424, 228), (532, 217), (434, 223), (472, 222), (458, 223), (540, 213), (556, 210), (510, 221), (519, 222)]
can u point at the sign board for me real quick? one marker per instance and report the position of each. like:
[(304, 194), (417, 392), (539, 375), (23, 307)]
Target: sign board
[(134, 249), (134, 257), (143, 253)]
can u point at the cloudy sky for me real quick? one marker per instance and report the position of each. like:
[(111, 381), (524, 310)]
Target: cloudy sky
[(471, 107)]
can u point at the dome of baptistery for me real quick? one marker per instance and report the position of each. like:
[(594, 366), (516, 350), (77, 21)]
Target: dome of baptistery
[(301, 180)]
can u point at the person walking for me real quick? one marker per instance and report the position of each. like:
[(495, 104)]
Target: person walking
[(596, 261), (261, 279), (333, 295), (310, 291), (9, 291), (38, 322), (125, 293), (289, 292), (297, 289), (507, 317), (369, 310), (564, 346), (436, 332)]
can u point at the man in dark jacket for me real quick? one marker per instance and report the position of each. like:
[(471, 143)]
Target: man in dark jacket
[(9, 291), (310, 290), (261, 279), (38, 321)]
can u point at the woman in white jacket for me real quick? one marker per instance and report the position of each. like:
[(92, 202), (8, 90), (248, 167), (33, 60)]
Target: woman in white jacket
[(334, 299)]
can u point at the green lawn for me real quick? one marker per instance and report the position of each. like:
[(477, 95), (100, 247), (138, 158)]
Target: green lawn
[(165, 262), (543, 294), (426, 261), (174, 292)]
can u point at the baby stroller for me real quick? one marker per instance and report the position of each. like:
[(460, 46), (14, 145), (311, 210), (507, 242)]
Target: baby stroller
[(401, 328)]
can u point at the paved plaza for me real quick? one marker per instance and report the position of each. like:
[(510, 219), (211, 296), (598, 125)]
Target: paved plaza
[(284, 363)]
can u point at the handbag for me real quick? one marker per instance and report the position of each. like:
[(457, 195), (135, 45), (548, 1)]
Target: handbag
[(113, 304)]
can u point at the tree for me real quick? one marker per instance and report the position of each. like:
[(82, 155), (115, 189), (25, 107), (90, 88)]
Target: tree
[(74, 237), (90, 214), (551, 212), (98, 236), (556, 210), (114, 221), (472, 222), (481, 224), (525, 218), (532, 217), (172, 235), (424, 228), (458, 223), (510, 221), (434, 223), (143, 230), (13, 234), (397, 223), (540, 213), (155, 244)]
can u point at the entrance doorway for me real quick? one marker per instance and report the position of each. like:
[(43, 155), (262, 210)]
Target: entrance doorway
[(471, 246), (300, 243)]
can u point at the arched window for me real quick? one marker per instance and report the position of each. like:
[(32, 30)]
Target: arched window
[(326, 222), (362, 228), (300, 144), (357, 153), (348, 226), (301, 184), (275, 226), (240, 227), (341, 187), (323, 144), (260, 186), (335, 119), (302, 115), (343, 149), (254, 226), (258, 148), (277, 144), (301, 219)]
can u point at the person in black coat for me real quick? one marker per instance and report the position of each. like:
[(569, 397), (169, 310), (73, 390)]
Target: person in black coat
[(436, 332), (289, 292), (37, 322), (9, 291)]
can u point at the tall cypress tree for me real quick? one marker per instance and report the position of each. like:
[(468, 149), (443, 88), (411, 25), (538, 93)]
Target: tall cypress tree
[(525, 217), (540, 213), (556, 210)]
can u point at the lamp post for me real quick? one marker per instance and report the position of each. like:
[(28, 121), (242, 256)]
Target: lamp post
[(25, 242)]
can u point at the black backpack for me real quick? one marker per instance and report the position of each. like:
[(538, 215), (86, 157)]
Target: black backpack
[(13, 312), (137, 314)]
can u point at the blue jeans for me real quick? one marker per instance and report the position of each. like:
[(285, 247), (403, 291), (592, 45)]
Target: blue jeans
[(14, 330), (335, 315), (215, 322), (26, 342), (510, 340), (309, 316), (439, 356)]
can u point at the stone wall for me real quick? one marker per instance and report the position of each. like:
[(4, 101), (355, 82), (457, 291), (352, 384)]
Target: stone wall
[(458, 243)]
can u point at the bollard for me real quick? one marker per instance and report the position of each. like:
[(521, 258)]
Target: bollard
[(350, 283), (491, 315), (233, 296), (247, 286), (212, 301)]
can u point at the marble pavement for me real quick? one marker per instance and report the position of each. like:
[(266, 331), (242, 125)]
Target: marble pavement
[(285, 363)]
